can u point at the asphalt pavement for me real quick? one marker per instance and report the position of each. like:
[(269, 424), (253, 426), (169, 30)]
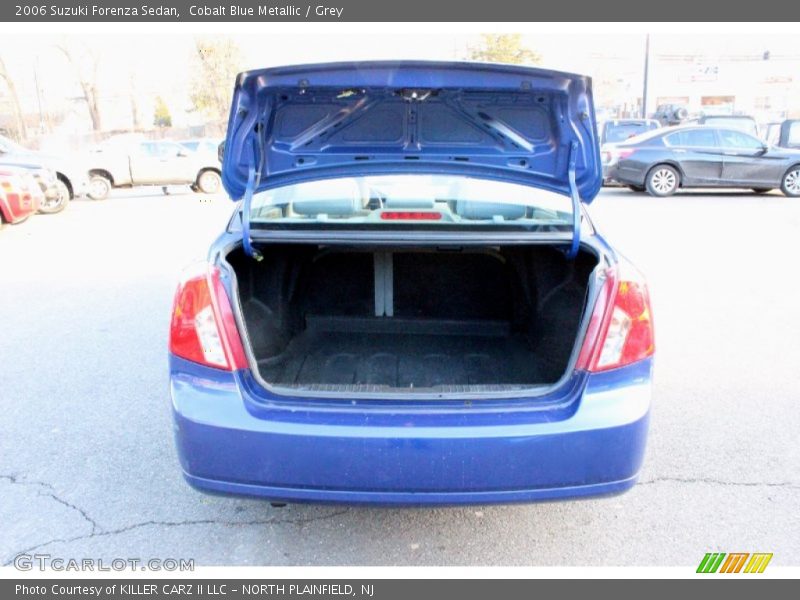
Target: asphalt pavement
[(88, 467)]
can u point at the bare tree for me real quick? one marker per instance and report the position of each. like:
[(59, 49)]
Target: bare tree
[(85, 63), (217, 61), (503, 48), (22, 131), (135, 113)]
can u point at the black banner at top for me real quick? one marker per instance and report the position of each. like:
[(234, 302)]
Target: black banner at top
[(397, 11)]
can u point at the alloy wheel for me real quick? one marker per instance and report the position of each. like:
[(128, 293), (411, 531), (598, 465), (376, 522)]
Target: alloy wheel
[(663, 181), (792, 182)]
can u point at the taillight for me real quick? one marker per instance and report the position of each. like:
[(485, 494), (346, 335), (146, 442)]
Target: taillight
[(409, 215), (203, 328), (620, 330)]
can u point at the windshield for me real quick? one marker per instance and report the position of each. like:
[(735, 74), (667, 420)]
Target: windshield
[(411, 201), (8, 145), (622, 131)]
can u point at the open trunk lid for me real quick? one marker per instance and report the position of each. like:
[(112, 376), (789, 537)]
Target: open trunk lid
[(518, 124), (291, 125)]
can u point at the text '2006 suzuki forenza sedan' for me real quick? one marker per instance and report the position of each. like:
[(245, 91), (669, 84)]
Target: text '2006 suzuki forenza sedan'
[(409, 305)]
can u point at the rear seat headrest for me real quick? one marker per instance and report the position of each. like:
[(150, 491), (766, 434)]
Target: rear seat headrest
[(474, 209), (334, 197)]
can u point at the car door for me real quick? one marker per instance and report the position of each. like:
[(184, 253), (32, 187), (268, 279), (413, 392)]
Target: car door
[(747, 161), (698, 155)]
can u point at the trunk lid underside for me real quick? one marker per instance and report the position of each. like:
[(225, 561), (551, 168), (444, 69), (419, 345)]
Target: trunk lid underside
[(530, 126)]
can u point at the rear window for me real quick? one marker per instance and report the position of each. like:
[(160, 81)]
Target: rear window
[(619, 132), (411, 201)]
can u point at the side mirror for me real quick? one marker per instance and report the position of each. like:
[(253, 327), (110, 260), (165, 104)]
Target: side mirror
[(221, 150), (182, 153)]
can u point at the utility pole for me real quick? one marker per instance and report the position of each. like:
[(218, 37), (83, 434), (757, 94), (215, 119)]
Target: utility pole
[(646, 74)]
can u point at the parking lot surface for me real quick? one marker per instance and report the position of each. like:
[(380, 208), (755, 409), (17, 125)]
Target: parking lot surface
[(88, 467)]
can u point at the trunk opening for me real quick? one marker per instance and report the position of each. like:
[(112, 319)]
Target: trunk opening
[(426, 320)]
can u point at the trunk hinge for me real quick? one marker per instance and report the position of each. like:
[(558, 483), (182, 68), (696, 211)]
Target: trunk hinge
[(572, 252), (254, 163)]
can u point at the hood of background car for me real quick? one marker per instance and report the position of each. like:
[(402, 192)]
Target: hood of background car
[(24, 160), (530, 126)]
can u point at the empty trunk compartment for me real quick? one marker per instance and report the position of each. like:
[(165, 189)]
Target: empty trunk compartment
[(412, 319)]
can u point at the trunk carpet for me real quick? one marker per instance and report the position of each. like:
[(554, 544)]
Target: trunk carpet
[(402, 360)]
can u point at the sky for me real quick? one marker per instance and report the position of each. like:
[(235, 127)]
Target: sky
[(158, 64)]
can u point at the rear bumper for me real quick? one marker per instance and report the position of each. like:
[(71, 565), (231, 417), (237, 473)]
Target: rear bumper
[(589, 441)]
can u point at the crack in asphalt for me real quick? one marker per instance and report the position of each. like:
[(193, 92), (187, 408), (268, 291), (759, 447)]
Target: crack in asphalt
[(51, 493), (709, 481), (97, 531)]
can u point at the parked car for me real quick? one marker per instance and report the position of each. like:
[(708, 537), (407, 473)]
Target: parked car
[(71, 174), (619, 130), (666, 160), (46, 180), (739, 122), (413, 307), (20, 194), (784, 134), (151, 162)]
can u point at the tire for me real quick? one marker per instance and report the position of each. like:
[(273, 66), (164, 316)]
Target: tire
[(662, 180), (636, 188), (58, 203), (99, 187), (209, 182), (762, 190), (790, 183)]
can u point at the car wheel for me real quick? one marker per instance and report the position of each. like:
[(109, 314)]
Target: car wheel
[(762, 190), (636, 188), (790, 184), (99, 187), (209, 182), (662, 180), (59, 203)]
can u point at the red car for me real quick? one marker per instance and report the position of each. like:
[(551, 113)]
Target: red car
[(20, 194)]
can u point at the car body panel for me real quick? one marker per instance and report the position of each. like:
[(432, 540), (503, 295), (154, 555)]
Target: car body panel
[(590, 443), (301, 123)]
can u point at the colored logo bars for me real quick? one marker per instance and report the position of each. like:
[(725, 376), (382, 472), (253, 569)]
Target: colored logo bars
[(719, 562)]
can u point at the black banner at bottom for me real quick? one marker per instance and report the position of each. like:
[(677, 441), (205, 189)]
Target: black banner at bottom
[(380, 589)]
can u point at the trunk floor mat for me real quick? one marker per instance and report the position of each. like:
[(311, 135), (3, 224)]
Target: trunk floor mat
[(413, 360)]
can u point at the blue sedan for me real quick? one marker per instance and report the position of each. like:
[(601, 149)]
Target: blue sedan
[(409, 304)]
